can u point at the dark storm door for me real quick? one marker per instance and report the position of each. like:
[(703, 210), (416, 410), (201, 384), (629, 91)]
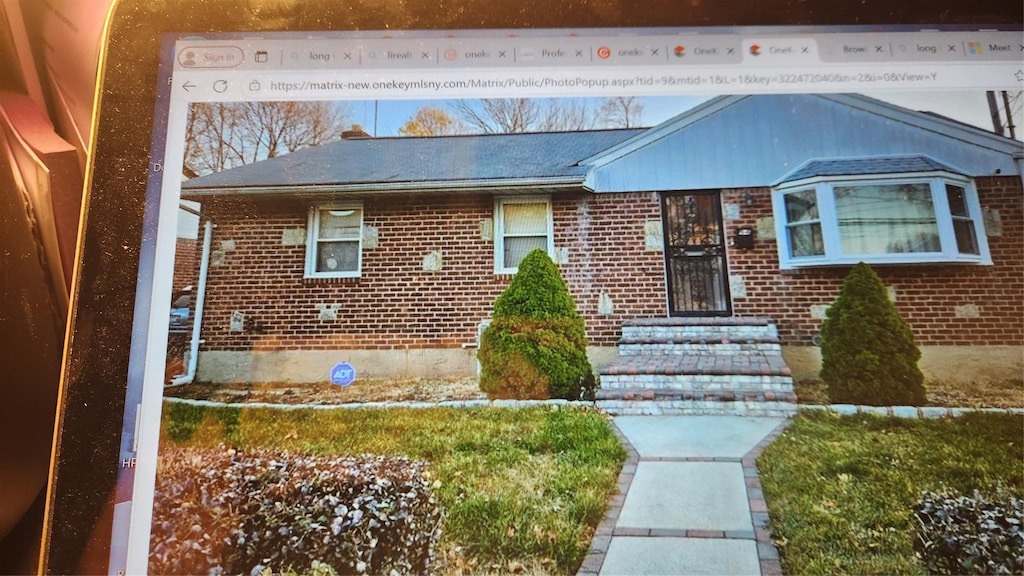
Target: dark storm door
[(695, 267)]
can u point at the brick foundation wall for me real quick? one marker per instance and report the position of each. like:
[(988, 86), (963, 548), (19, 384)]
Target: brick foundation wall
[(396, 303), (945, 305)]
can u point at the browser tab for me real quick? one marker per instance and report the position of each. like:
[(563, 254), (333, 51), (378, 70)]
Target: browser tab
[(554, 53), (698, 50), (927, 49), (780, 50), (631, 53)]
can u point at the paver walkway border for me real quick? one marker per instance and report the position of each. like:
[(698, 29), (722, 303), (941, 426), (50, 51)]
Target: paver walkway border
[(768, 555), (840, 409)]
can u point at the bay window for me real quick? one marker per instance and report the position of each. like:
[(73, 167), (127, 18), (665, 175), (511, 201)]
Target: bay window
[(879, 219)]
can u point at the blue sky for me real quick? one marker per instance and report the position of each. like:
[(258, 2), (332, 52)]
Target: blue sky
[(392, 114), (968, 107)]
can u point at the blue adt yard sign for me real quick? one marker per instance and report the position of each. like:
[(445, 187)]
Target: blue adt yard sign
[(343, 374)]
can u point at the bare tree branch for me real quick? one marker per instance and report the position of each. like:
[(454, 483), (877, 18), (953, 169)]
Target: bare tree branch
[(621, 112), (512, 115), (219, 136)]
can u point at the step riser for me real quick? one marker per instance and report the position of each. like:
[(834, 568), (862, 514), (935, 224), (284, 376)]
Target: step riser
[(699, 382), (731, 349), (699, 332)]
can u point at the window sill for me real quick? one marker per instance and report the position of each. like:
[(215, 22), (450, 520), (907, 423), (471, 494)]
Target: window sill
[(920, 261), (330, 279)]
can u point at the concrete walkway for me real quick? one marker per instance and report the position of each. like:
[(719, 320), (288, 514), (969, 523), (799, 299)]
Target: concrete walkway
[(690, 501)]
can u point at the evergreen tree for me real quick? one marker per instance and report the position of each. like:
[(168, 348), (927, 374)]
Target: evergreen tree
[(536, 344), (868, 353)]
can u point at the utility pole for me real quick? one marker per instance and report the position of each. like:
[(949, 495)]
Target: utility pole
[(1009, 115), (993, 108)]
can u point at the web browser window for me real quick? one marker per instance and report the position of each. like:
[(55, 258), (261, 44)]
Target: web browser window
[(331, 209)]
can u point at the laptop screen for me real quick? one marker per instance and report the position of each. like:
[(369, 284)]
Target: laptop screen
[(332, 216)]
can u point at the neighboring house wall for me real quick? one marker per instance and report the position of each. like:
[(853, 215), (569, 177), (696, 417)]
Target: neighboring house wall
[(185, 264)]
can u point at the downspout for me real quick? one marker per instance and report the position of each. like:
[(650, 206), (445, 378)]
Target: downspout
[(193, 351), (1018, 158)]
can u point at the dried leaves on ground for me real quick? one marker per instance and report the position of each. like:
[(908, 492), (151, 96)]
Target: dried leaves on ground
[(976, 394), (411, 390)]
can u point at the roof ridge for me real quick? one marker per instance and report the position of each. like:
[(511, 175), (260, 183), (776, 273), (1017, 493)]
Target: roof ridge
[(484, 134)]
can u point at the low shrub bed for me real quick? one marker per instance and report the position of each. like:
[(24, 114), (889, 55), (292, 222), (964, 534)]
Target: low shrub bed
[(978, 534), (522, 490), (842, 491), (218, 510)]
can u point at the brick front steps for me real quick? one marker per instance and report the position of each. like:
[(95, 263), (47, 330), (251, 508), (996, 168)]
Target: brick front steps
[(698, 366)]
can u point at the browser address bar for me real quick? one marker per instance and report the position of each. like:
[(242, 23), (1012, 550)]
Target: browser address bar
[(633, 81)]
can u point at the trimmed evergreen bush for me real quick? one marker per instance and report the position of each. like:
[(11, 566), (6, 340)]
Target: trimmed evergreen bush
[(868, 353), (536, 344)]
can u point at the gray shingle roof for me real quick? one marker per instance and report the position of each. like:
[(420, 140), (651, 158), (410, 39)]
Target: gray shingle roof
[(450, 159), (866, 166)]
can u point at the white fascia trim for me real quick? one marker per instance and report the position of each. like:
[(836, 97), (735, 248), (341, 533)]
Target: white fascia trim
[(391, 187), (886, 178)]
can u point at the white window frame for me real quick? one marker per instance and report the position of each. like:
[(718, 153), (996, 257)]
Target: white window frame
[(313, 238), (824, 190), (499, 228)]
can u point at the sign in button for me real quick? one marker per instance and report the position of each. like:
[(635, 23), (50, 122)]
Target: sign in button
[(211, 57)]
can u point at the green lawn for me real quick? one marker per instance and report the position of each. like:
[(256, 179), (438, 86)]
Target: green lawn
[(522, 489), (840, 490)]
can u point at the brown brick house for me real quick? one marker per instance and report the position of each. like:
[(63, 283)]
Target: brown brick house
[(388, 253)]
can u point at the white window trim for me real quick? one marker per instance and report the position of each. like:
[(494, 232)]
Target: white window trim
[(824, 186), (313, 236), (499, 228)]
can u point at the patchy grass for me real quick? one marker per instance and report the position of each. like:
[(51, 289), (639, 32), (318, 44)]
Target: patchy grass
[(810, 391), (523, 490), (841, 490), (977, 394), (990, 394), (411, 390)]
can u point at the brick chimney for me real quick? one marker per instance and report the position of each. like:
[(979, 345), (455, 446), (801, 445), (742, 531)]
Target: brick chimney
[(354, 133)]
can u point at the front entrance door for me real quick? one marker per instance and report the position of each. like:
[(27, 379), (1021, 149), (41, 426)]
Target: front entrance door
[(698, 282)]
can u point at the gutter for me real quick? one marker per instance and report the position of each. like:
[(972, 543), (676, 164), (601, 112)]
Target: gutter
[(193, 350), (504, 184)]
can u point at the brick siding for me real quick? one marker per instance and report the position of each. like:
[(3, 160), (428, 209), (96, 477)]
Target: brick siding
[(397, 304), (186, 264)]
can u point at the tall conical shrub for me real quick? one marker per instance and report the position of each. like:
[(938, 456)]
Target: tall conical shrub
[(868, 353), (536, 344)]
